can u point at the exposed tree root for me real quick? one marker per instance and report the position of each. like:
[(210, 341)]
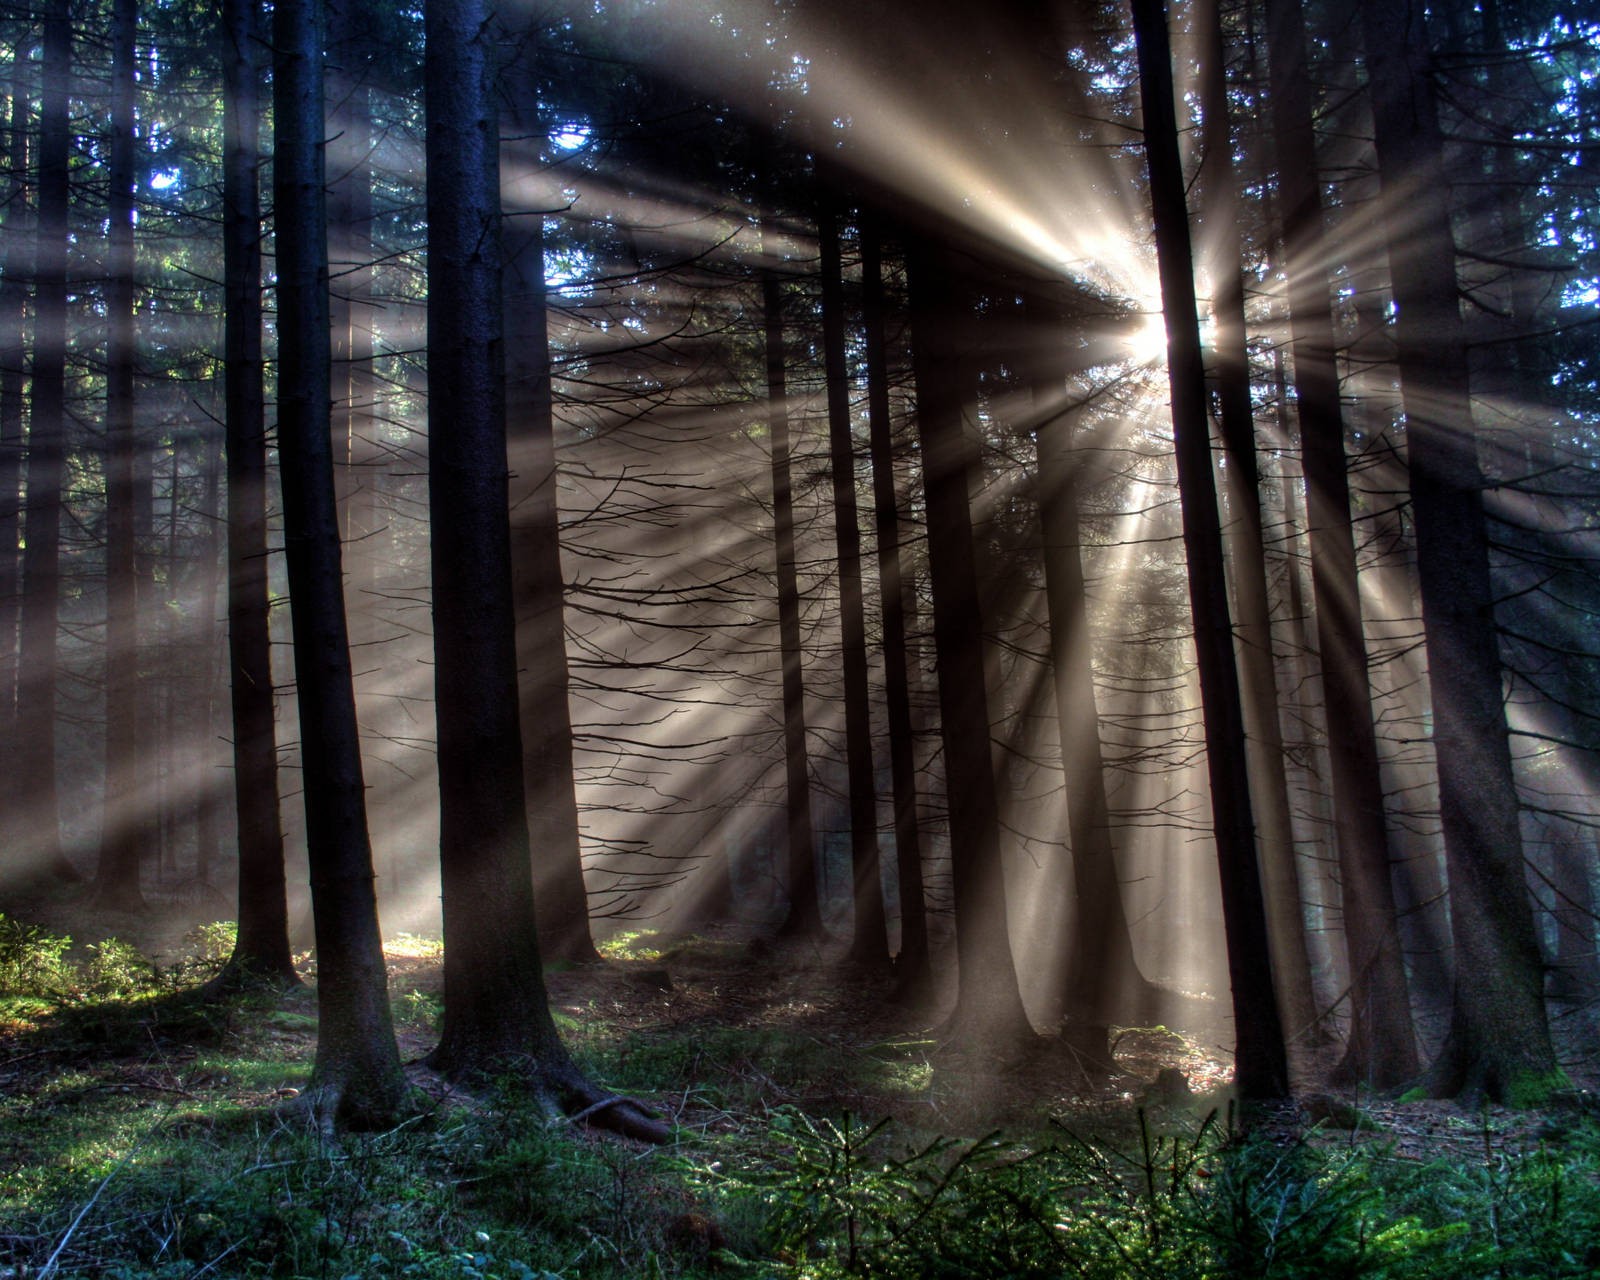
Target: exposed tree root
[(241, 975)]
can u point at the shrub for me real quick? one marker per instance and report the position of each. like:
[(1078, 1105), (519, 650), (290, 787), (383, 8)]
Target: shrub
[(33, 961)]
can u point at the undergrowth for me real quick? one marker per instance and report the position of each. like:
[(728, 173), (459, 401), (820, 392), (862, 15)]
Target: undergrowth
[(141, 1138)]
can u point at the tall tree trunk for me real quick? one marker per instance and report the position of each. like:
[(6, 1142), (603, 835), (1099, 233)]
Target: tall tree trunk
[(869, 942), (14, 272), (262, 947), (350, 209), (356, 1078), (912, 963), (123, 822), (989, 1009), (1321, 882), (561, 899), (804, 915), (496, 1013), (1260, 1067), (1499, 1040), (207, 846), (37, 802), (1382, 1045), (1103, 984), (1291, 967)]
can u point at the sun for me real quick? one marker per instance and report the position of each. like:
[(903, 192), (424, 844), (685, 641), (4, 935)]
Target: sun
[(1147, 340)]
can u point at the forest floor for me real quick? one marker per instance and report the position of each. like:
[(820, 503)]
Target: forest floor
[(758, 1056)]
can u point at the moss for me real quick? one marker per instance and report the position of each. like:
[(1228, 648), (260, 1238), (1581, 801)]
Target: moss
[(1534, 1088), (1415, 1094)]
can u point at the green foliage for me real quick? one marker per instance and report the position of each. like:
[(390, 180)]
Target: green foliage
[(116, 968), (33, 961), (421, 1009), (1181, 1205), (151, 1134), (34, 964), (211, 945)]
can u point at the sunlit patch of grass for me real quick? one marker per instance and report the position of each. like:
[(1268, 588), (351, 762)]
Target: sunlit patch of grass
[(902, 1066), (636, 944), (413, 946)]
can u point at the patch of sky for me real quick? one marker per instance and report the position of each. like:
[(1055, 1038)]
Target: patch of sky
[(1581, 293), (567, 271), (163, 179), (570, 135)]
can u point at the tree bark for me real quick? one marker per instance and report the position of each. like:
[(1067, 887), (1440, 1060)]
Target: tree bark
[(869, 942), (1103, 984), (123, 821), (1381, 1050), (912, 969), (989, 1009), (356, 1078), (1256, 660), (561, 898), (261, 950), (804, 916), (1499, 1039), (38, 806), (15, 268), (1260, 1067), (496, 1012)]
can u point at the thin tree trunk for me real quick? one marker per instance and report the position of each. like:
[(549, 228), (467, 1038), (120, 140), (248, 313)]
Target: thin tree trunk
[(561, 898), (356, 1078), (14, 270), (123, 822), (1499, 1040), (1103, 984), (1382, 1046), (1260, 1067), (207, 842), (262, 947), (1258, 681), (804, 916), (989, 1009), (351, 252), (37, 802), (912, 962), (869, 941), (13, 357)]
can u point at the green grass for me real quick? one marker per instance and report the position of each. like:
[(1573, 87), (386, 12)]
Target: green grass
[(144, 1137)]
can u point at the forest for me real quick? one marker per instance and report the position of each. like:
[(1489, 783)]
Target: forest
[(799, 639)]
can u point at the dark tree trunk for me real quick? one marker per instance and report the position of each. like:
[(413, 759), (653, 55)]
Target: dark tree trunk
[(912, 970), (1291, 965), (1103, 984), (989, 1009), (208, 798), (123, 822), (38, 808), (350, 211), (1382, 1045), (14, 271), (356, 1078), (262, 947), (1260, 1068), (1577, 966), (1499, 1040), (13, 356), (1321, 888), (869, 942), (496, 1013), (804, 916), (561, 898)]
